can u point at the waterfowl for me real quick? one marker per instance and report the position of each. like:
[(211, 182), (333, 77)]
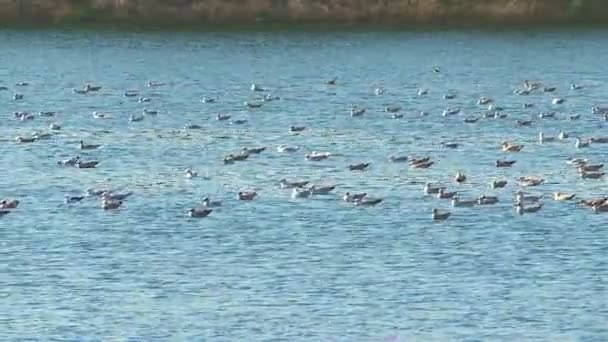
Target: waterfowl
[(131, 93), (285, 184), (577, 161), (287, 149), (542, 138), (521, 209), (92, 88), (599, 140), (592, 175), (9, 204), (208, 100), (86, 165), (524, 123), (600, 208), (333, 81), (253, 104), (498, 184), (451, 111), (574, 117), (358, 167), (144, 100), (190, 173), (152, 84), (392, 109), (253, 150), (457, 202), (522, 92), (73, 199), (505, 163), (532, 85), (420, 160), (487, 200), (397, 116), (193, 126), (449, 96), (54, 127), (239, 157), (471, 120), (255, 87), (528, 105), (79, 91), (70, 161), (494, 108), (449, 144), (509, 147), (134, 118), (520, 196), (3, 88), (578, 143), (484, 101), (321, 189), (23, 140), (431, 189), (422, 92), (295, 129), (26, 117), (558, 196), (150, 112), (574, 86), (599, 110), (499, 115), (115, 196), (440, 216), (348, 197), (379, 91), (97, 115), (270, 97), (18, 97), (238, 122), (442, 194), (460, 177), (317, 156), (423, 165), (355, 111), (199, 212), (530, 181), (222, 117), (110, 204), (595, 202), (547, 115), (557, 101), (84, 146), (397, 159), (584, 167), (563, 135), (367, 201), (211, 204), (549, 89), (246, 195), (300, 193)]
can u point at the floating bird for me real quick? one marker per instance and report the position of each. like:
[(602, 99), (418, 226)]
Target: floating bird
[(144, 100), (440, 216), (451, 111), (73, 199), (442, 194), (591, 175), (199, 212), (84, 146), (350, 197), (542, 138), (367, 201), (530, 181), (398, 159), (505, 163), (524, 123), (355, 111), (246, 195), (91, 88), (110, 204), (574, 117), (321, 189), (211, 204), (300, 193), (487, 200), (295, 129), (509, 147), (358, 167), (255, 87), (449, 144), (18, 97), (70, 161), (116, 196), (333, 81), (558, 101), (471, 120), (150, 112), (547, 115), (253, 150), (190, 173), (86, 165), (498, 184), (558, 196), (253, 104), (484, 101), (208, 100), (457, 202), (285, 184), (460, 178), (222, 117), (9, 204), (521, 209), (392, 109), (578, 143), (317, 156), (520, 196), (287, 149), (431, 189), (134, 118)]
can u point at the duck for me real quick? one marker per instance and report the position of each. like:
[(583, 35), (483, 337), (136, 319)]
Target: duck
[(452, 145), (9, 204), (530, 181), (431, 189), (23, 140), (460, 177), (211, 204), (108, 204), (149, 112), (509, 147), (253, 104), (255, 87), (584, 167), (190, 173), (574, 86), (422, 92), (321, 189), (521, 209), (239, 157), (505, 163), (547, 115), (358, 167), (350, 197), (296, 129), (333, 81), (397, 116), (355, 111), (398, 159), (300, 193), (520, 196), (199, 212), (442, 194), (84, 146), (420, 160), (79, 91), (222, 117), (86, 165), (487, 200), (449, 96), (524, 123), (238, 122), (287, 149), (549, 89), (563, 135), (144, 100), (134, 118), (594, 202), (484, 101), (367, 201), (440, 216), (92, 88), (208, 100), (557, 101), (253, 150), (450, 111), (457, 202), (578, 143), (558, 196), (246, 195), (54, 127), (270, 97), (528, 105), (18, 97), (131, 93), (592, 175), (70, 161), (574, 117), (317, 156), (285, 184), (471, 119), (422, 165), (73, 199), (522, 92), (542, 138), (392, 109), (498, 184)]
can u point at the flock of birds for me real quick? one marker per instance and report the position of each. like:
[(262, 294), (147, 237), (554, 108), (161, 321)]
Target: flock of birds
[(524, 202)]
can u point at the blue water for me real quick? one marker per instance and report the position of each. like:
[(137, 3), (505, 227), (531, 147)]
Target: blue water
[(319, 269)]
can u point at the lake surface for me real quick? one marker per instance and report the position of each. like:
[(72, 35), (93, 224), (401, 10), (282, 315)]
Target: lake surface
[(318, 269)]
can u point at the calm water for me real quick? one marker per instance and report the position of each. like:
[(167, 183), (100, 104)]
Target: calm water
[(278, 269)]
